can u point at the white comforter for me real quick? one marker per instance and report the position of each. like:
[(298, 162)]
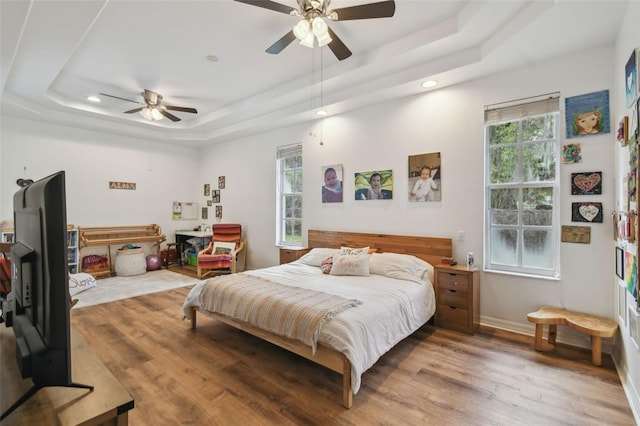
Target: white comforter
[(392, 309)]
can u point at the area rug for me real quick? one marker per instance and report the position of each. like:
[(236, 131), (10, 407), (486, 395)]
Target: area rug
[(118, 288)]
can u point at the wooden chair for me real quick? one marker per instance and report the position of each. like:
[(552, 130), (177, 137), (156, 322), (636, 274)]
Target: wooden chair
[(216, 259)]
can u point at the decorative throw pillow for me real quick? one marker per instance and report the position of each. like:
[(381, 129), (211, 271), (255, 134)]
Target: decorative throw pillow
[(349, 251), (326, 265), (316, 256), (80, 282), (350, 265), (220, 247)]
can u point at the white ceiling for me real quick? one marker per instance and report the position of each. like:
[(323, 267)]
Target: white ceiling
[(53, 54)]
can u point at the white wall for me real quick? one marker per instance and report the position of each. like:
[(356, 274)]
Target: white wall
[(449, 121), (626, 354), (162, 174)]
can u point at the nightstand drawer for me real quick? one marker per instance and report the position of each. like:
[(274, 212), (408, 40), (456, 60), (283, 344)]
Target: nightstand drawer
[(453, 298), (453, 317), (453, 281), (291, 254)]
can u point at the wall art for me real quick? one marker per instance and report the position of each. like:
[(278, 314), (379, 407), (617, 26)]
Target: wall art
[(586, 183), (221, 182), (630, 273), (332, 183), (425, 177), (576, 234), (205, 213), (571, 153), (620, 263), (631, 88), (622, 135), (122, 185), (218, 212), (587, 114), (374, 185), (207, 189), (586, 212), (215, 196)]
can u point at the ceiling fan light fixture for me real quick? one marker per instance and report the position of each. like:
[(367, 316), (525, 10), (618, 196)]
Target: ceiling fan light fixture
[(151, 113), (302, 29), (320, 28), (308, 40), (324, 40)]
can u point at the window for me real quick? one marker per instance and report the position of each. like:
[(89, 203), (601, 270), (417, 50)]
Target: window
[(289, 195), (521, 189)]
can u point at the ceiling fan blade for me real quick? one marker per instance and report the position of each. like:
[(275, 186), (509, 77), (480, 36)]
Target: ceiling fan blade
[(338, 47), (279, 45), (168, 115), (268, 4), (181, 109), (383, 9), (134, 110), (118, 97)]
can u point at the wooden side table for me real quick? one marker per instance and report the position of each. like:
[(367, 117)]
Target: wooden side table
[(109, 402), (457, 297), (289, 254)]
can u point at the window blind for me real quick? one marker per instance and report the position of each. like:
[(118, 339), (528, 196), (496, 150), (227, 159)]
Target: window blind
[(287, 151), (517, 112)]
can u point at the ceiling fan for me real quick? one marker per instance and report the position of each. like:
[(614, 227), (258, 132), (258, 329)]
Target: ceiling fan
[(312, 24), (154, 109)]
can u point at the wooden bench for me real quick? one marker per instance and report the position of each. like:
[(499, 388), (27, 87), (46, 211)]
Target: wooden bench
[(595, 326), (120, 235)]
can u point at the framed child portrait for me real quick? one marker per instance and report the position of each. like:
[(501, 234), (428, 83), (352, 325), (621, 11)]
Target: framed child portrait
[(425, 177), (374, 185), (332, 183)]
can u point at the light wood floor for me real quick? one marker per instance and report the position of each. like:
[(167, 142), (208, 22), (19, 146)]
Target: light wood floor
[(217, 375)]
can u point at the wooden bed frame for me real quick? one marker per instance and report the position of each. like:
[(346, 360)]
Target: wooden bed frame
[(427, 248)]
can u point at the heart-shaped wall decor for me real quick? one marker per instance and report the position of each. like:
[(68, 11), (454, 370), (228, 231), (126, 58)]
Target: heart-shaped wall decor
[(587, 183), (589, 212)]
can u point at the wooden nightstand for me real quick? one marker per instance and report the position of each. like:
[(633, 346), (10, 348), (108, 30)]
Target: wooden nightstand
[(289, 254), (457, 296)]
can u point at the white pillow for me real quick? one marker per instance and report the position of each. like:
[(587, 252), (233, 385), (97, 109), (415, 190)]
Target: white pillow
[(317, 255), (349, 251), (220, 247), (401, 266), (350, 265), (80, 282)]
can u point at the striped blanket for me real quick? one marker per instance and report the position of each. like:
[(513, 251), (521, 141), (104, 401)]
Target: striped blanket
[(293, 312)]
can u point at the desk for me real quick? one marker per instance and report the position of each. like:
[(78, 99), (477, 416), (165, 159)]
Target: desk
[(183, 236), (109, 402)]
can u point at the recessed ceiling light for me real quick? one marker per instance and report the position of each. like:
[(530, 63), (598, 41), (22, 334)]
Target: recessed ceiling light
[(212, 58), (94, 99), (321, 113), (429, 83)]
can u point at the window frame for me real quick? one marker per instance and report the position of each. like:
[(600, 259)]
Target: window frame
[(519, 113), (283, 154)]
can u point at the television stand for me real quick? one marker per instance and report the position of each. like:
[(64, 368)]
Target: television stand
[(107, 403), (32, 391)]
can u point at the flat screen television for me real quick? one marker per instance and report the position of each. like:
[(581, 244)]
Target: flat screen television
[(38, 306)]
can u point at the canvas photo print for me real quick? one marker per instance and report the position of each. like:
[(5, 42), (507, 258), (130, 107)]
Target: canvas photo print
[(332, 183), (425, 177), (374, 185)]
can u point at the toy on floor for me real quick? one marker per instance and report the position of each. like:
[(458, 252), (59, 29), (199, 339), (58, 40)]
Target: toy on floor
[(154, 262)]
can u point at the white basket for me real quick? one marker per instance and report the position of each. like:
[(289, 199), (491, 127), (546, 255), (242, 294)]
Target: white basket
[(130, 262)]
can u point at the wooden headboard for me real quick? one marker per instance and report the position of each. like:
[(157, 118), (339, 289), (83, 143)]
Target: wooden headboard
[(429, 249)]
